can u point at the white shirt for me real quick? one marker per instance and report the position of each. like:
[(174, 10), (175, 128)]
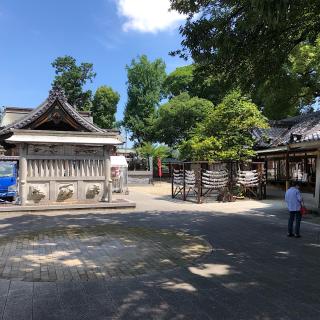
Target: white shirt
[(293, 199)]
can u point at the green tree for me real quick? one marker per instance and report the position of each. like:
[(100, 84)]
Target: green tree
[(148, 149), (145, 91), (104, 107), (304, 66), (278, 96), (225, 134), (180, 80), (296, 86), (178, 117), (72, 78), (246, 41), (196, 83)]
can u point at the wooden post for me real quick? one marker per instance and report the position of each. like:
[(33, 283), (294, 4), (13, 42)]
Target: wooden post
[(23, 174), (230, 163), (317, 186), (305, 169), (172, 188), (107, 195), (201, 179), (198, 182), (266, 168), (184, 183), (287, 171), (265, 177)]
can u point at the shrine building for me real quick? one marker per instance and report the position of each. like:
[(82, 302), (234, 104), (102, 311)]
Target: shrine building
[(290, 149), (62, 156)]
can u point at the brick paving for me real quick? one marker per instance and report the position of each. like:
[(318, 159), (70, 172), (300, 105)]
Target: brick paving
[(98, 252), (254, 271)]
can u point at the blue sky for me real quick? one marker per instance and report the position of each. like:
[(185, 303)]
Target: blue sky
[(107, 33)]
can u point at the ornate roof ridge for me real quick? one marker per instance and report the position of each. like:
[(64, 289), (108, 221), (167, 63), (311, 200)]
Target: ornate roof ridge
[(75, 114), (300, 117), (56, 93)]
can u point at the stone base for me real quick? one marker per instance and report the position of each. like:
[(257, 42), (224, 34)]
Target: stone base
[(117, 204)]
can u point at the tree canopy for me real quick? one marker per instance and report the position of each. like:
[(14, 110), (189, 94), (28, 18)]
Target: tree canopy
[(226, 133), (248, 39), (148, 149), (178, 117), (145, 91), (104, 106), (180, 80), (190, 79), (253, 44), (296, 86), (72, 78)]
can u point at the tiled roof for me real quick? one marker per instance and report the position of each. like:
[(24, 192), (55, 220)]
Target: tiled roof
[(303, 128), (56, 94), (266, 137)]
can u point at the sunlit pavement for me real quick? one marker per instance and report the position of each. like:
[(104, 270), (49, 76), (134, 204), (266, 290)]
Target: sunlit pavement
[(253, 272)]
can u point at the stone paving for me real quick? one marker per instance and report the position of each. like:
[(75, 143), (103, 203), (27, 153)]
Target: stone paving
[(254, 271), (98, 252)]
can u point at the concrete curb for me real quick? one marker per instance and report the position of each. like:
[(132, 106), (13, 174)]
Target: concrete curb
[(123, 204)]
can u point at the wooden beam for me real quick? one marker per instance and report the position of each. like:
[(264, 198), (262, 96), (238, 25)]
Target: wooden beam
[(287, 170)]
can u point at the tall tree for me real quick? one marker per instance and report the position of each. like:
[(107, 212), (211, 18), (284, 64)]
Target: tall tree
[(72, 78), (104, 107), (180, 80), (296, 86), (192, 80), (145, 91), (226, 133), (178, 117), (247, 41)]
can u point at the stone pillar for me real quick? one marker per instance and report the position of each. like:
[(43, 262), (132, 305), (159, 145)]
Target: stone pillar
[(151, 169), (107, 195), (23, 174), (317, 186)]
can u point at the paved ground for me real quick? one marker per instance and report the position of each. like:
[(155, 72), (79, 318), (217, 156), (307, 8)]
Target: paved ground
[(254, 271), (105, 252)]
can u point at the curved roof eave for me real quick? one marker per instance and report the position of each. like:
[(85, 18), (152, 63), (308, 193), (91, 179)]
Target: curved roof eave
[(55, 94)]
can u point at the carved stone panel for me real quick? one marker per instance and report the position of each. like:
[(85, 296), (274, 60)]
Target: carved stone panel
[(61, 150), (47, 150), (38, 192), (66, 191), (88, 150), (93, 190)]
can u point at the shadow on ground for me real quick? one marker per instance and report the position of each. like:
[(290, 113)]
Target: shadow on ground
[(254, 272)]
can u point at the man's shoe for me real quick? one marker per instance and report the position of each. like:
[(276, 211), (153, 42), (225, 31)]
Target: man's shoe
[(297, 236), (290, 235)]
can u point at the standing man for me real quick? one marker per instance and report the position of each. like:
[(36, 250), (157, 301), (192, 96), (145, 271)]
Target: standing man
[(294, 201)]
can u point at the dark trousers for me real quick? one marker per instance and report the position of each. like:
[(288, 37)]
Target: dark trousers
[(294, 215)]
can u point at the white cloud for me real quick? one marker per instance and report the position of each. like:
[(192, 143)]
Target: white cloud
[(148, 15)]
